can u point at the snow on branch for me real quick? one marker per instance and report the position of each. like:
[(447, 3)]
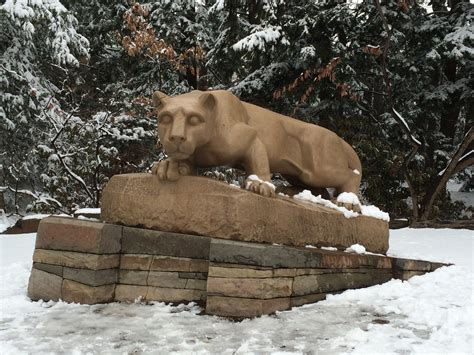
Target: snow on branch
[(260, 38), (405, 124), (460, 159)]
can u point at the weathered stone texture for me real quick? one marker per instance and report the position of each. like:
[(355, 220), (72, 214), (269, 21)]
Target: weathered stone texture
[(235, 278), (202, 206), (165, 263), (275, 256), (244, 307), (135, 261), (250, 288), (52, 269), (144, 241), (301, 300), (76, 260), (133, 277), (327, 283), (44, 286), (79, 293), (91, 277), (175, 295), (130, 293), (62, 233)]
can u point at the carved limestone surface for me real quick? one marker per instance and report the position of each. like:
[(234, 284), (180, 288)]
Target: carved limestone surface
[(215, 128), (202, 206)]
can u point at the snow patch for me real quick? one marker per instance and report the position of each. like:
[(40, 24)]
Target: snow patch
[(356, 248), (88, 211), (329, 248), (306, 195), (35, 216), (345, 197), (348, 197)]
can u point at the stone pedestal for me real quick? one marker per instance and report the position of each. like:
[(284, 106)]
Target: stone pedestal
[(203, 206), (93, 262)]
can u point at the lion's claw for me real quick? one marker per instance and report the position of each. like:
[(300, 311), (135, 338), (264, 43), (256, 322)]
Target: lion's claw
[(260, 187), (349, 206), (171, 170)]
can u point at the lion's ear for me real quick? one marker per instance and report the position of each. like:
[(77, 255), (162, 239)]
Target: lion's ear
[(159, 99), (208, 100)]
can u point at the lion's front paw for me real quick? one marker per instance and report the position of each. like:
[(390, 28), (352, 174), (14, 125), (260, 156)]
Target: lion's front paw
[(260, 187), (349, 200), (171, 170), (349, 206)]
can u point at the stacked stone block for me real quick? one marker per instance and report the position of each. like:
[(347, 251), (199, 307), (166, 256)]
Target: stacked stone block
[(162, 266), (261, 279), (76, 261), (93, 262)]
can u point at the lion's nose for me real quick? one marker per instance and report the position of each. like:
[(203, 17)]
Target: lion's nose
[(177, 139)]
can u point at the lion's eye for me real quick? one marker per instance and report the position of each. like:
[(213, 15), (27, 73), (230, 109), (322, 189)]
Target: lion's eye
[(194, 120), (165, 119)]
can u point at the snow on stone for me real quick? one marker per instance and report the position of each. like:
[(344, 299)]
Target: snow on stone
[(356, 248), (329, 248), (375, 212), (35, 216), (348, 197), (345, 197), (428, 314), (88, 211), (306, 195)]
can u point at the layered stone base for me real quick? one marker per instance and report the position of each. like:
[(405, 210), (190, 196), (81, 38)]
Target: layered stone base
[(93, 262)]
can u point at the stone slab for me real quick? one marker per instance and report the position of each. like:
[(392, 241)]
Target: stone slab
[(406, 275), (133, 277), (79, 293), (135, 261), (241, 271), (44, 286), (166, 279), (145, 241), (412, 265), (175, 295), (91, 277), (301, 300), (165, 263), (244, 307), (275, 256), (76, 260), (52, 269), (250, 288), (195, 284), (328, 283), (62, 233), (193, 275), (130, 293), (203, 206)]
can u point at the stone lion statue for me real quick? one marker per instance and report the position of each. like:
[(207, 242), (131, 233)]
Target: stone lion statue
[(215, 128)]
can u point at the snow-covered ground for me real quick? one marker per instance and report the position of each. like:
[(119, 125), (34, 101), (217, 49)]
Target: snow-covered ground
[(428, 314)]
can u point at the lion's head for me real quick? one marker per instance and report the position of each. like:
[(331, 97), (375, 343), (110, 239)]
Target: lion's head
[(184, 122)]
